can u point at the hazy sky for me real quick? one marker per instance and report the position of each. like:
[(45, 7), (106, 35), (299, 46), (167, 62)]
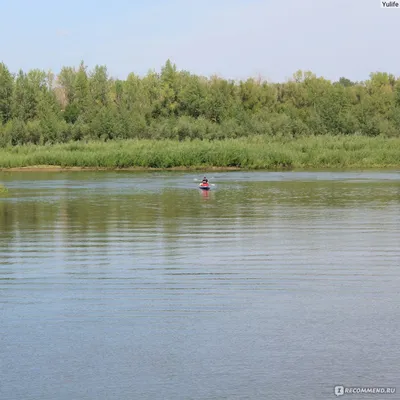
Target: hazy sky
[(232, 38)]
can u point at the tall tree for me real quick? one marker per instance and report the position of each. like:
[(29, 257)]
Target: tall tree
[(66, 82), (81, 89), (6, 93), (99, 86)]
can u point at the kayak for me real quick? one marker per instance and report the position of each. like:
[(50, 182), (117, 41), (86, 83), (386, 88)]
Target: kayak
[(204, 187)]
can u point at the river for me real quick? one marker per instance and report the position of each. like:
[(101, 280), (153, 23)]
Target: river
[(128, 285)]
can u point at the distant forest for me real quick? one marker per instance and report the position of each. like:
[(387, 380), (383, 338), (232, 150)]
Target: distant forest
[(77, 104)]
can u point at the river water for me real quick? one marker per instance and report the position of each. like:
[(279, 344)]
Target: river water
[(273, 285)]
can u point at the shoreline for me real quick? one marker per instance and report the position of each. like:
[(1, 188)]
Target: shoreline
[(58, 168)]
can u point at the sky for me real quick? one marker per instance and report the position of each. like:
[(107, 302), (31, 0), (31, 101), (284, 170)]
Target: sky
[(235, 39)]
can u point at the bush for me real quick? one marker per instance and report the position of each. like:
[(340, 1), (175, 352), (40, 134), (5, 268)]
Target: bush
[(33, 132)]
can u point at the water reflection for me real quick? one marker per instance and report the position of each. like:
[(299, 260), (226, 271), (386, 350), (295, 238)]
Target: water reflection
[(205, 193)]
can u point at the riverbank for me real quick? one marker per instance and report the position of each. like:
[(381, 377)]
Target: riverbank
[(232, 154), (55, 168)]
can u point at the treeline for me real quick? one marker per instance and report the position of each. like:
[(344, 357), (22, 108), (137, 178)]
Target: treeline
[(39, 107)]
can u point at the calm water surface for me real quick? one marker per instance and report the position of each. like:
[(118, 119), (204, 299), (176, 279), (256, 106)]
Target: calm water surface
[(139, 286)]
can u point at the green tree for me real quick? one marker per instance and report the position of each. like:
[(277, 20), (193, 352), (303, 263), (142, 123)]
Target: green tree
[(66, 84), (6, 93), (99, 86), (81, 90), (35, 106)]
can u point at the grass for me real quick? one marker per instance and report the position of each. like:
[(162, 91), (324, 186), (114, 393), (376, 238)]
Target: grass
[(3, 190), (249, 153)]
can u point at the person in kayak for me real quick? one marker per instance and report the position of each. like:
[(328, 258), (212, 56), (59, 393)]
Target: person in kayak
[(205, 182)]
